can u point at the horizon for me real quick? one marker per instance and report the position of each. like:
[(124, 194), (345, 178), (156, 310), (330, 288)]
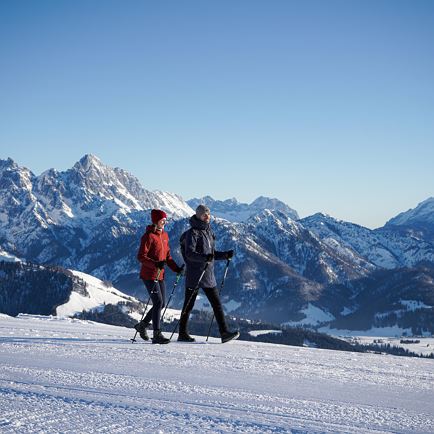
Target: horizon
[(201, 197), (326, 105)]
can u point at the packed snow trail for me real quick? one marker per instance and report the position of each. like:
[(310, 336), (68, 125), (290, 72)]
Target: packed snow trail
[(78, 376)]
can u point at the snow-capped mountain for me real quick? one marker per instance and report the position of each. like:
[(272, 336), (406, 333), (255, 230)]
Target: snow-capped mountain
[(52, 217), (423, 213), (382, 247), (89, 191), (417, 223), (235, 211)]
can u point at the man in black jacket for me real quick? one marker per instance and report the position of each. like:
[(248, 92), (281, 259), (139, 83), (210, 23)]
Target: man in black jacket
[(200, 250)]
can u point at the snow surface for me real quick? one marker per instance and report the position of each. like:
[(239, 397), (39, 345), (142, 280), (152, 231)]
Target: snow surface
[(264, 332), (66, 375)]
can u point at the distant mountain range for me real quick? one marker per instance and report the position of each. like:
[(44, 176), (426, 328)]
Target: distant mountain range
[(317, 271), (235, 211)]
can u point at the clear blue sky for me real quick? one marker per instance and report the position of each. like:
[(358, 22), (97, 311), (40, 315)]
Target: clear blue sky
[(327, 105)]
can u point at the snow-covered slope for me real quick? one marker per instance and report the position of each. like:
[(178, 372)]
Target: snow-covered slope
[(76, 376), (28, 288), (100, 294), (97, 295), (7, 257)]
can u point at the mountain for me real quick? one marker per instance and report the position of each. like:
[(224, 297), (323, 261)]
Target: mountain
[(401, 300), (299, 271), (417, 223), (235, 211), (62, 217), (384, 247), (423, 213)]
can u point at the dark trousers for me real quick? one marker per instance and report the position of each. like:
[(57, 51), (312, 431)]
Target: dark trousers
[(212, 295), (157, 291)]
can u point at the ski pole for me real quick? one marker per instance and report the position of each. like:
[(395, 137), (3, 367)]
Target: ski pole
[(178, 277), (147, 304), (196, 289), (220, 290)]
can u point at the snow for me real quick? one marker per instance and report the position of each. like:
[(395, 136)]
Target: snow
[(7, 257), (313, 316), (424, 347), (256, 333), (346, 310), (424, 212), (413, 305), (65, 375), (394, 331), (231, 305)]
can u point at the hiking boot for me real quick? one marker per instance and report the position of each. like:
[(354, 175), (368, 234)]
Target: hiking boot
[(141, 329), (228, 336), (159, 338), (185, 337)]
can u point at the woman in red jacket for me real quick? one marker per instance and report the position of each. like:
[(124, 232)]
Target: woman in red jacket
[(153, 254)]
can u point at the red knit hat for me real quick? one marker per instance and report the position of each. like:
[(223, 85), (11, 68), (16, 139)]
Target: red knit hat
[(157, 215)]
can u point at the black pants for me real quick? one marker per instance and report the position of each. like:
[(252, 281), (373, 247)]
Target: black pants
[(157, 291), (212, 295)]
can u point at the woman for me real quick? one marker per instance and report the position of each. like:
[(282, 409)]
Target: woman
[(153, 254)]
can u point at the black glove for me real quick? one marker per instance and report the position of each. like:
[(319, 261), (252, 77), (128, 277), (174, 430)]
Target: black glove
[(181, 269), (209, 257), (160, 264), (229, 254)]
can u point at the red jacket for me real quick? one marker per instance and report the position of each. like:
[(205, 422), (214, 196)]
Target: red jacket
[(154, 247)]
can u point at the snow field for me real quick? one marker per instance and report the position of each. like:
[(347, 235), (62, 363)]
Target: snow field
[(65, 375)]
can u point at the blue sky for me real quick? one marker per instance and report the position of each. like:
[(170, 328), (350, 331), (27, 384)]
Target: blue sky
[(327, 105)]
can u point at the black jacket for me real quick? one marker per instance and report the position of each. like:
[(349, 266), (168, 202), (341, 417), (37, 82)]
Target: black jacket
[(199, 243)]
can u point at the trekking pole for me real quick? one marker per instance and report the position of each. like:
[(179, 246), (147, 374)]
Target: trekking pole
[(147, 304), (196, 289), (178, 277), (220, 290)]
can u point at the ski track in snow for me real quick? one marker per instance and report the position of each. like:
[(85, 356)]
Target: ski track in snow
[(64, 375)]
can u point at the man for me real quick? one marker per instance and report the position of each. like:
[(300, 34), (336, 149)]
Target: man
[(199, 250), (154, 253)]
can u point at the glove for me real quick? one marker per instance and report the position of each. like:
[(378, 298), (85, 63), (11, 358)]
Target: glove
[(160, 264), (181, 269), (229, 254), (209, 257)]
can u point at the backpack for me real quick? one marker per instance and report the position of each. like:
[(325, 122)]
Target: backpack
[(182, 244)]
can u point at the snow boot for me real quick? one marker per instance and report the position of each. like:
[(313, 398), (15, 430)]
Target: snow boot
[(228, 336), (141, 329), (159, 338), (185, 337)]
